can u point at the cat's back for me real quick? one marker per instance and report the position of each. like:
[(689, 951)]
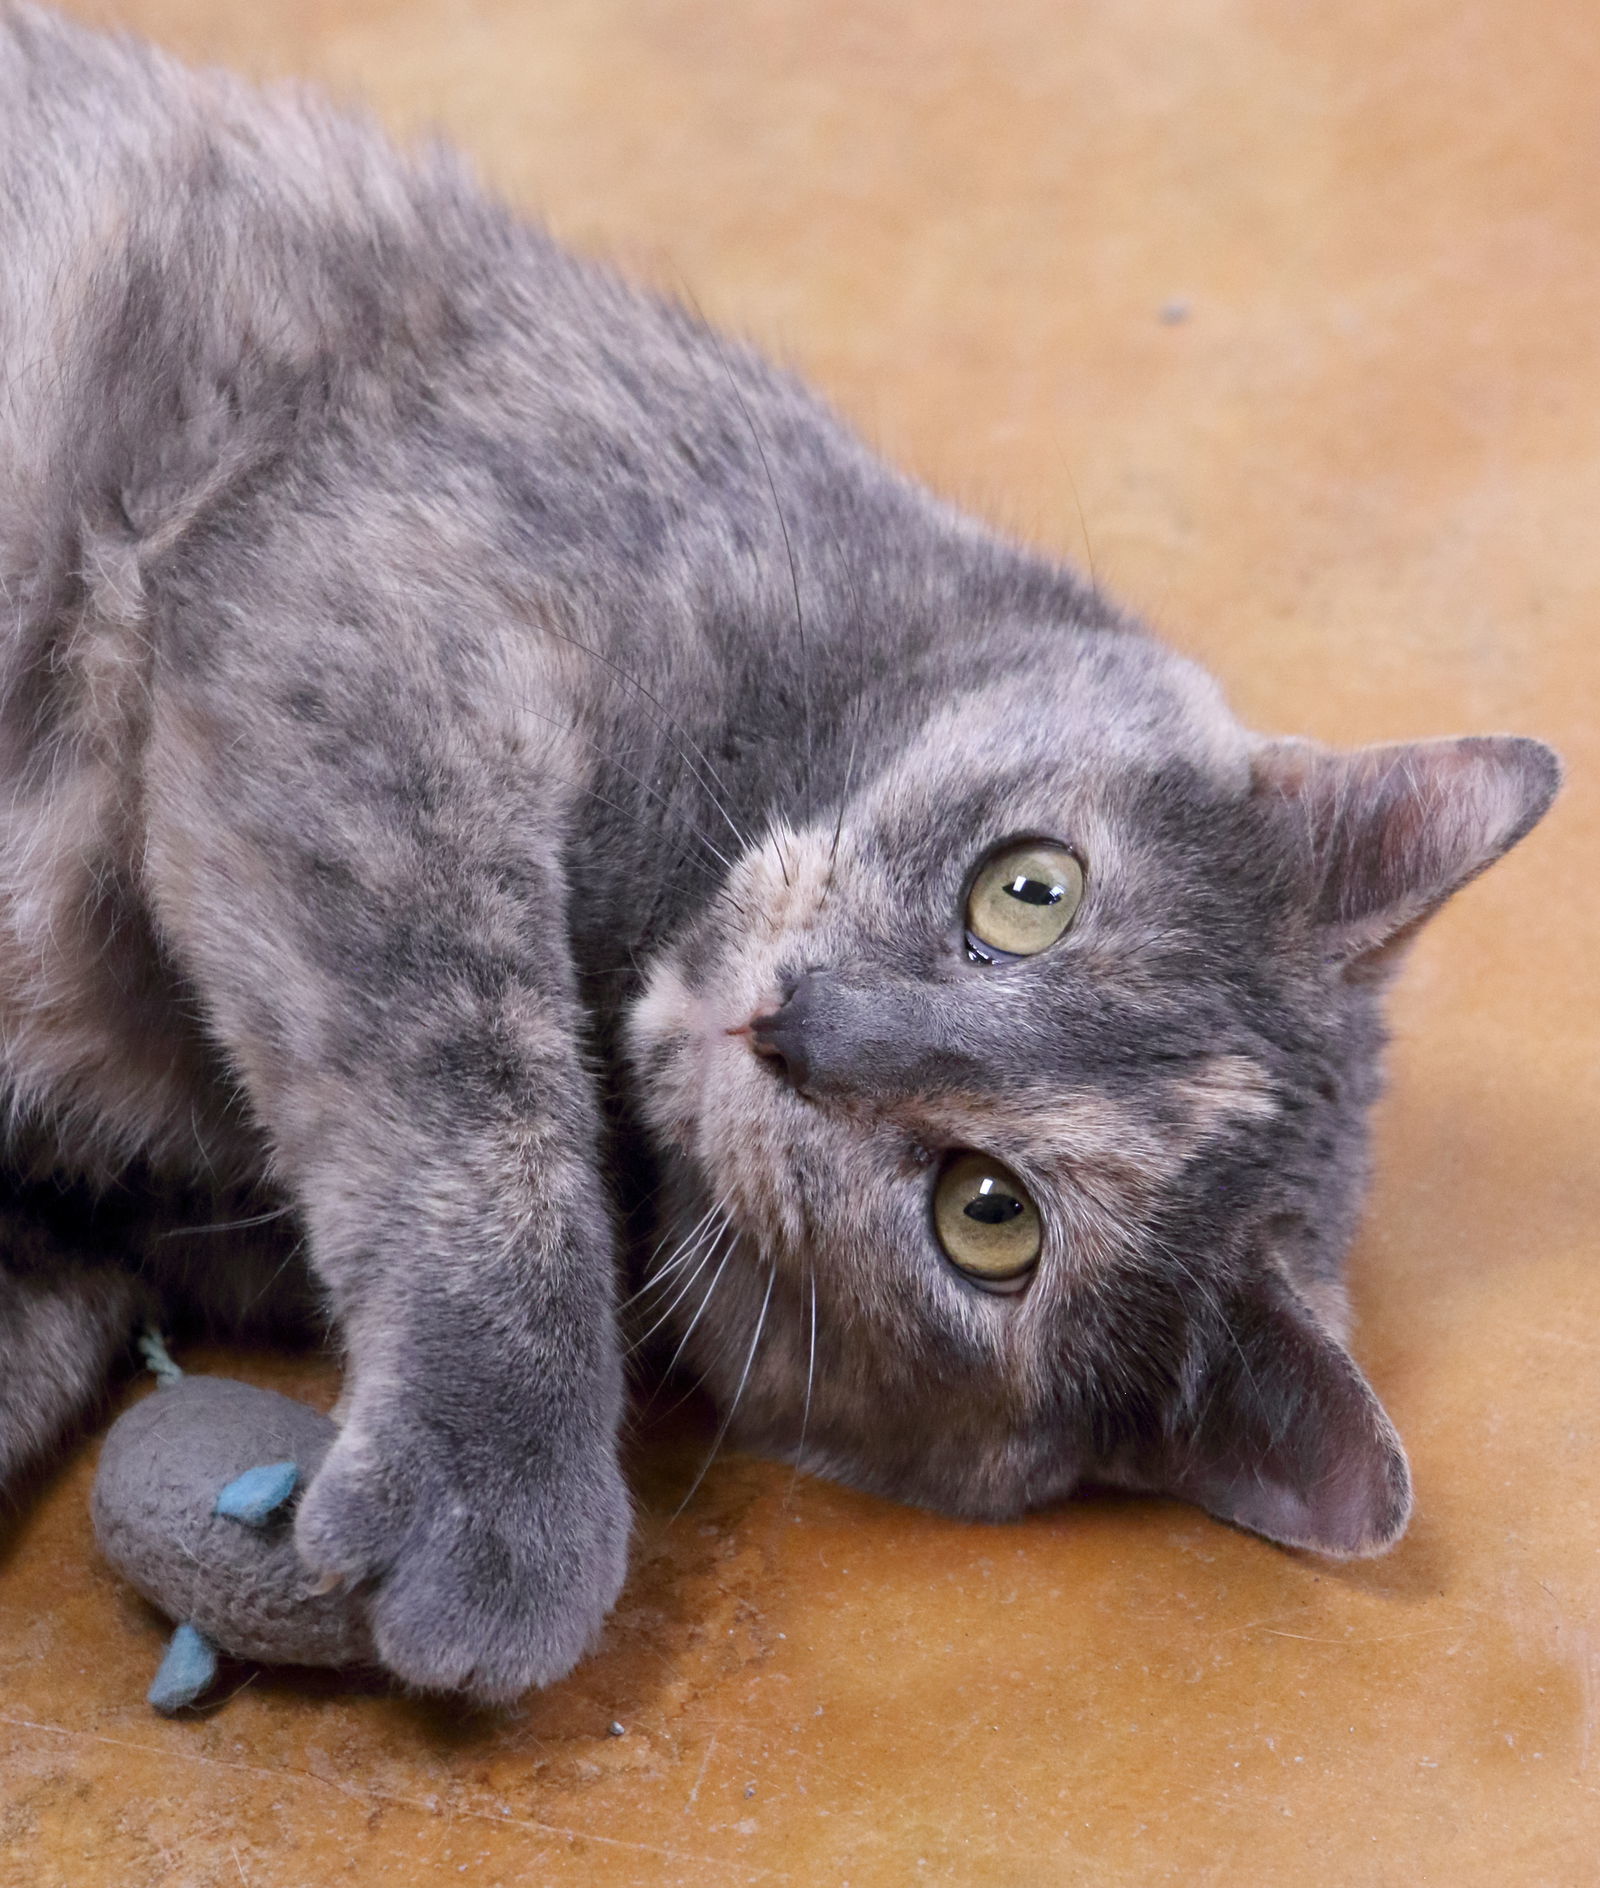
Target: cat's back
[(238, 306), (198, 268), (77, 109), (110, 148), (81, 117), (100, 137), (186, 255)]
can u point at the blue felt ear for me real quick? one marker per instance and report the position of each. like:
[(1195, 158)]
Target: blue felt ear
[(256, 1494), (188, 1668)]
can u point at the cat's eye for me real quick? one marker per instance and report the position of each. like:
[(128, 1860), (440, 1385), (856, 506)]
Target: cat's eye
[(986, 1223), (1022, 900)]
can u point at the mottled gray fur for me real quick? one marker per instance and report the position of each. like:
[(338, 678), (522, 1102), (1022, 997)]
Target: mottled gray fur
[(447, 692)]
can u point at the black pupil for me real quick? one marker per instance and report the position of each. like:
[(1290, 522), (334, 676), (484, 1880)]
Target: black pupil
[(992, 1209), (1034, 891)]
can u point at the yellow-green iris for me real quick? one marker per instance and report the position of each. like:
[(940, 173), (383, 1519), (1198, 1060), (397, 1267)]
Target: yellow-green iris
[(1025, 898), (986, 1222)]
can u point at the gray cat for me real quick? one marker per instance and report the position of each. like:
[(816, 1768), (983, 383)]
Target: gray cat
[(490, 767)]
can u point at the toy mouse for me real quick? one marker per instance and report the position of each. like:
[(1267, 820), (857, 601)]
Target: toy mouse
[(193, 1505)]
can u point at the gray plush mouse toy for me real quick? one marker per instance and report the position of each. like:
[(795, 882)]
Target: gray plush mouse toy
[(193, 1505)]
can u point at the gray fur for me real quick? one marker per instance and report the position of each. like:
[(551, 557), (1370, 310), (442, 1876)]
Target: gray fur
[(446, 692)]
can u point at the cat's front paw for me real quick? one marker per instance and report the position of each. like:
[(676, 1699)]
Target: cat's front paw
[(487, 1591)]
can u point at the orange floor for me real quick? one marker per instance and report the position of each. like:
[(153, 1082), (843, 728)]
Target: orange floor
[(1291, 315)]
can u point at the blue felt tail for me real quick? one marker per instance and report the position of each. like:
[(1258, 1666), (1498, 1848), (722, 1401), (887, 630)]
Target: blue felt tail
[(256, 1494), (153, 1349), (188, 1668)]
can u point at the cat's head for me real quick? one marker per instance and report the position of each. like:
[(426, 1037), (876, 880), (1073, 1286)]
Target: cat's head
[(1013, 1115)]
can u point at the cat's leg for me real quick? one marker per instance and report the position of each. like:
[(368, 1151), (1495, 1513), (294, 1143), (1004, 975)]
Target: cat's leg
[(64, 1318), (367, 897)]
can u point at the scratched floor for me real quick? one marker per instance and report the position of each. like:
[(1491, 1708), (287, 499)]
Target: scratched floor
[(1289, 314)]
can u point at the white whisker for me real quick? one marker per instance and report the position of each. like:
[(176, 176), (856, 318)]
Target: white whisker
[(678, 1257), (227, 1225), (727, 1421), (672, 1362), (684, 1288)]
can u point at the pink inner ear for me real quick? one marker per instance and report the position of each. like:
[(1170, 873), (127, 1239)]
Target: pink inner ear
[(1359, 1506), (1390, 832), (1290, 1441)]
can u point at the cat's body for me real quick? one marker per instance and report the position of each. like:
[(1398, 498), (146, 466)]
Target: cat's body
[(454, 710)]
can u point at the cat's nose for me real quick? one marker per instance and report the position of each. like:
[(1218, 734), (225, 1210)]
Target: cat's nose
[(780, 1035)]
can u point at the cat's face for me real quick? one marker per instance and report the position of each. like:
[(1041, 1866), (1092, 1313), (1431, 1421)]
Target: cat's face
[(1013, 1117)]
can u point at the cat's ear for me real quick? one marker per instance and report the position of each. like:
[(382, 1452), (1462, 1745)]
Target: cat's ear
[(1386, 834), (1283, 1435)]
